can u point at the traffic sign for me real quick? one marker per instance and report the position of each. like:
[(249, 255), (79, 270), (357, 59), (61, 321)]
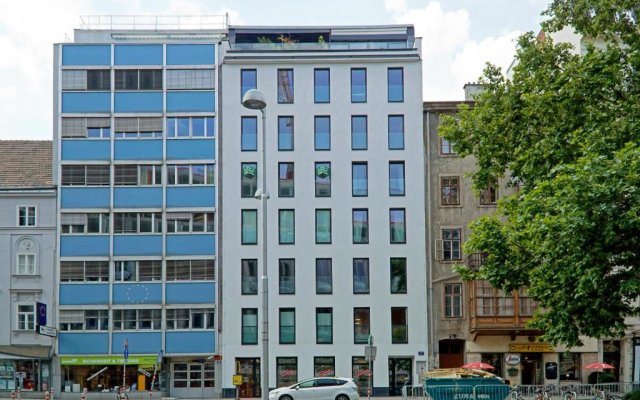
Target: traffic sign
[(370, 353), (126, 349), (159, 359), (46, 330), (41, 309)]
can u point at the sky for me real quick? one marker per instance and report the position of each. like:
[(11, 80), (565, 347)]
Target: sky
[(458, 38)]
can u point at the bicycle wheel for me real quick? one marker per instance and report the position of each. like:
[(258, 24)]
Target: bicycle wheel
[(614, 397)]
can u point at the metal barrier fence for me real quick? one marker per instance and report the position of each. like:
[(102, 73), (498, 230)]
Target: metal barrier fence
[(526, 392)]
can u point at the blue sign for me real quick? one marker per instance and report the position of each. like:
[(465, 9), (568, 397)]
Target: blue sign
[(41, 314), (126, 349), (159, 359)]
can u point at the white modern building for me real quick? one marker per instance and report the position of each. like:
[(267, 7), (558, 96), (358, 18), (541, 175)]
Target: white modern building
[(346, 213)]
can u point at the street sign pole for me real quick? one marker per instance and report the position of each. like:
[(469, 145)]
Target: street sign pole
[(370, 365), (124, 368)]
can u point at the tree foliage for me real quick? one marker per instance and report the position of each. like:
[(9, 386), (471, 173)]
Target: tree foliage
[(567, 128)]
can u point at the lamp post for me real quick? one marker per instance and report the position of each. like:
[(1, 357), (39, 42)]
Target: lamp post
[(254, 100)]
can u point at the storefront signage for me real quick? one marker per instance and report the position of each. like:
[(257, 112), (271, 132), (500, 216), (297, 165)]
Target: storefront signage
[(237, 380), (512, 359), (108, 360), (531, 348)]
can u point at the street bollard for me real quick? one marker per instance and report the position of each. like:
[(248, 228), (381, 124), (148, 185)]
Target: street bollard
[(83, 396), (19, 394), (13, 395), (52, 396), (46, 396), (150, 394)]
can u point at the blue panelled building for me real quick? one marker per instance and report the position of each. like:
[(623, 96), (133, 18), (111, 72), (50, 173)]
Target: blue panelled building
[(135, 153)]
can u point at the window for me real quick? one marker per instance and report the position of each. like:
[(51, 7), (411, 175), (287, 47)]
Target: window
[(323, 226), (395, 127), (137, 271), (248, 81), (453, 300), (195, 318), (360, 275), (395, 84), (359, 179), (249, 227), (142, 319), (85, 175), (249, 276), (286, 227), (190, 222), (87, 320), (137, 175), (26, 216), (287, 276), (449, 247), (82, 128), (324, 279), (138, 79), (286, 371), (449, 190), (137, 223), (287, 326), (526, 305), (358, 85), (324, 366), (398, 275), (361, 325), (84, 271), (489, 196), (190, 79), (285, 86), (285, 133), (249, 134), (190, 270), (396, 178), (399, 327), (446, 148), (92, 79), (26, 264), (191, 127), (138, 127), (249, 326), (569, 366), (397, 226), (323, 179), (321, 88), (286, 179), (248, 179), (322, 133), (492, 302), (359, 132), (324, 325), (360, 222), (191, 174), (26, 317)]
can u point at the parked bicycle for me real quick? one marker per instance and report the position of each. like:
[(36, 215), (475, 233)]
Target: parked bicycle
[(570, 394), (122, 394), (516, 393), (601, 394), (544, 393)]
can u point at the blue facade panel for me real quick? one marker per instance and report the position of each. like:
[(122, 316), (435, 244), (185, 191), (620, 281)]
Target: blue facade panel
[(137, 197), (191, 149), (138, 149), (131, 102), (84, 245), (138, 54), (191, 101), (83, 294), (191, 342), (191, 244), (192, 196), (191, 293), (137, 293), (191, 54), (82, 54), (139, 342), (83, 343), (137, 245), (84, 197), (86, 150), (86, 102)]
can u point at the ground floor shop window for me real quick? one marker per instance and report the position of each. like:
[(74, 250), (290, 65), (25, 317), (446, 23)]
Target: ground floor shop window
[(193, 375), (287, 370), (570, 366), (495, 360), (101, 378), (361, 373), (7, 375), (324, 366)]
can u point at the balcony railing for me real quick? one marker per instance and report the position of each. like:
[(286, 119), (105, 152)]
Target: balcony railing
[(321, 46)]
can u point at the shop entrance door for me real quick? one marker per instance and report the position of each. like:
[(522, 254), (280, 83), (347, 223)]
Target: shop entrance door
[(193, 380), (249, 368), (532, 369), (400, 373)]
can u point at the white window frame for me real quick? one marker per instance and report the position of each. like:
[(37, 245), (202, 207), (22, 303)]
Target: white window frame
[(172, 227), (30, 317), (209, 318), (439, 244), (26, 224), (26, 256), (206, 165)]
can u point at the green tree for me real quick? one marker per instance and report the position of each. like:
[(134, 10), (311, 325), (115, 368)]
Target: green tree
[(565, 127)]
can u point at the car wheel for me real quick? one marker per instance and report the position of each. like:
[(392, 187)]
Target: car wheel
[(342, 397), (286, 397)]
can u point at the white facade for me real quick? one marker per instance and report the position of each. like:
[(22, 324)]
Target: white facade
[(341, 250)]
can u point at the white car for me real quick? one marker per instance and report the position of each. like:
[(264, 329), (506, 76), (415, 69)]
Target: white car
[(324, 388)]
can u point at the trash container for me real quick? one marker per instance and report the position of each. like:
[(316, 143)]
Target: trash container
[(466, 387)]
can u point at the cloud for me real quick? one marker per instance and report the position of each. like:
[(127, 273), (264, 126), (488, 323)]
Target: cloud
[(450, 57), (395, 5)]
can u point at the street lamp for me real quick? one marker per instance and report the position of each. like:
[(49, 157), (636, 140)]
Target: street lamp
[(254, 100)]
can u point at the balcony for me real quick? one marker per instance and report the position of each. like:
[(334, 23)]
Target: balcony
[(323, 46), (493, 312)]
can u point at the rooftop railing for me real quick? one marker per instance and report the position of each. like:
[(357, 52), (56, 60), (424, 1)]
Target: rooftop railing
[(321, 46), (154, 22)]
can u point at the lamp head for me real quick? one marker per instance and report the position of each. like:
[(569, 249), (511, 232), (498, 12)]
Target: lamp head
[(254, 100)]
